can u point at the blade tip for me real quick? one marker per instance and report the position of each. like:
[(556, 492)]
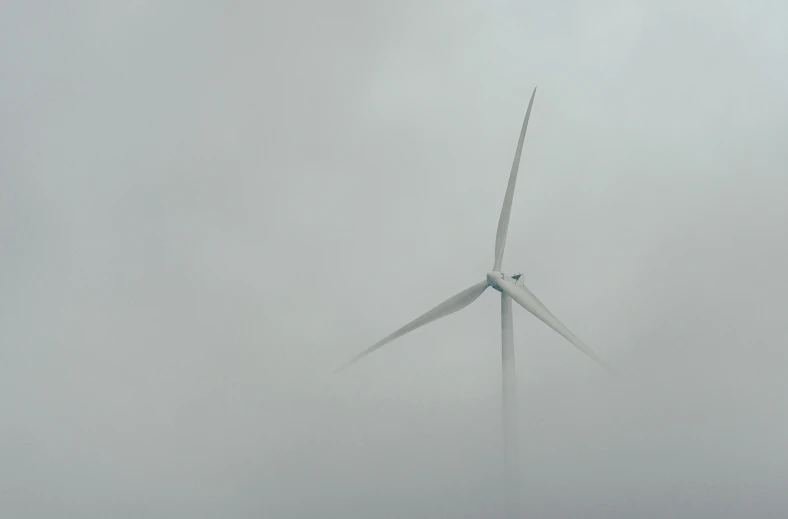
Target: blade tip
[(344, 366)]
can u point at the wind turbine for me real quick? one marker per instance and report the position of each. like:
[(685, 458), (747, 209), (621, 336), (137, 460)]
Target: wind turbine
[(510, 287)]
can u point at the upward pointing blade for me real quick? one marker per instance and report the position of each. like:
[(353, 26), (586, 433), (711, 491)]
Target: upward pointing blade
[(527, 300), (451, 305), (506, 211)]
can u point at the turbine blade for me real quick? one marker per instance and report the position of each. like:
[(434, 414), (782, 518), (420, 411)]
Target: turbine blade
[(451, 305), (527, 300), (506, 211)]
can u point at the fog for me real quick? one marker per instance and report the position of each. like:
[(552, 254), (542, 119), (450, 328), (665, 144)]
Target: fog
[(206, 208)]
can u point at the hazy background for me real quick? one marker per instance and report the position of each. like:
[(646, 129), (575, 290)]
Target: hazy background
[(206, 207)]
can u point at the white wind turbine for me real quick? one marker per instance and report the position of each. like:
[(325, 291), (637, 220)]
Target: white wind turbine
[(510, 288)]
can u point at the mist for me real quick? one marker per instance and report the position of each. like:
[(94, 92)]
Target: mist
[(206, 208)]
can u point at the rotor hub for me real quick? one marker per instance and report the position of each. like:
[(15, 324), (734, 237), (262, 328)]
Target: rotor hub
[(493, 277)]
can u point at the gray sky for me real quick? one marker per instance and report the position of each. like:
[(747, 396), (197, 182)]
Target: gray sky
[(207, 207)]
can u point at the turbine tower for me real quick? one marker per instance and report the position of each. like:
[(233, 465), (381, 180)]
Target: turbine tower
[(510, 287)]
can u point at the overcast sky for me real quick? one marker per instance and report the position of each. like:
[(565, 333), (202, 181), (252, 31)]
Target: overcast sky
[(206, 207)]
